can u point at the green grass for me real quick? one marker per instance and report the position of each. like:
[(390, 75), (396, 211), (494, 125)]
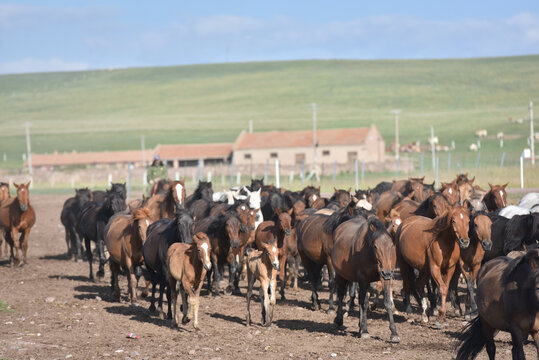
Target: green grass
[(4, 306), (109, 110)]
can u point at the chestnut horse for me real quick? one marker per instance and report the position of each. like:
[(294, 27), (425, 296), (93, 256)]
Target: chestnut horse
[(125, 235), (17, 217), (431, 246), (187, 264), (412, 186), (451, 192), (363, 252), (471, 259), (508, 300), (435, 205), (277, 232), (163, 205), (405, 209), (496, 197), (465, 186), (4, 195)]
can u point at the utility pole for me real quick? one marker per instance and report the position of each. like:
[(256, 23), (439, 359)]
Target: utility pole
[(396, 112), (143, 146), (28, 147), (532, 134)]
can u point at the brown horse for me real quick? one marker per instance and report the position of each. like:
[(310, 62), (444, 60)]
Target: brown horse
[(471, 258), (163, 205), (263, 265), (341, 197), (405, 209), (508, 300), (4, 195), (496, 197), (387, 201), (278, 232), (435, 205), (17, 217), (431, 246), (363, 252), (310, 194), (465, 187), (413, 186), (451, 192), (125, 235), (187, 264)]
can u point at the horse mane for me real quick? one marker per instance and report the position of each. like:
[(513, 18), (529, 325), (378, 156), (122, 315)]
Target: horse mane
[(441, 223), (340, 216), (513, 232), (424, 205), (512, 266), (379, 229)]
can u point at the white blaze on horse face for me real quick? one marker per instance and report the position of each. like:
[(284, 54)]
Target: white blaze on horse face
[(461, 216), (315, 197), (147, 222), (450, 191), (398, 222), (501, 196), (204, 247), (243, 207), (179, 192)]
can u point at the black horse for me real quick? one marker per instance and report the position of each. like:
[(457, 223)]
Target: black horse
[(70, 219), (159, 236), (203, 191), (271, 203), (99, 195), (256, 184), (94, 216)]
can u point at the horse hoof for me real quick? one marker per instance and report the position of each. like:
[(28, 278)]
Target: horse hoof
[(395, 339), (467, 317), (331, 312), (424, 318), (338, 321), (79, 260), (100, 273), (236, 291), (365, 335), (325, 283), (229, 290), (435, 312)]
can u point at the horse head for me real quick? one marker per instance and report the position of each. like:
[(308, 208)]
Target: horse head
[(83, 196), (481, 229), (244, 211), (23, 195), (232, 228), (185, 223), (285, 220), (499, 195), (178, 191), (202, 244), (271, 251), (465, 190), (143, 220), (115, 201), (4, 191), (451, 192), (205, 190), (384, 248), (416, 185), (460, 224), (257, 184), (119, 189)]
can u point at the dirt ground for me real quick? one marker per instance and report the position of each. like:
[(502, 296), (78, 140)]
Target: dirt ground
[(56, 313)]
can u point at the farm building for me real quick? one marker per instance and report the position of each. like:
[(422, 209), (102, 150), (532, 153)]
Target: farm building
[(292, 148), (343, 146)]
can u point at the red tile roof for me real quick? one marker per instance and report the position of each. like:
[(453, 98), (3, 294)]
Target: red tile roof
[(282, 139), (194, 151)]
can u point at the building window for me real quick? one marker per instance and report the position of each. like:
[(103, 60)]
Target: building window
[(273, 155), (352, 156), (300, 158), (247, 156), (325, 153)]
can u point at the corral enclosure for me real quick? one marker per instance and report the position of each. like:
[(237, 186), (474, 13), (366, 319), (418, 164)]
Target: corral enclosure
[(110, 109)]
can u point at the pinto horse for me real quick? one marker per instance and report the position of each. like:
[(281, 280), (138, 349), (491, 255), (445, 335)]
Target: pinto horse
[(508, 300), (431, 246), (94, 217), (364, 252), (163, 205), (17, 217), (496, 197), (159, 236), (125, 235), (70, 219)]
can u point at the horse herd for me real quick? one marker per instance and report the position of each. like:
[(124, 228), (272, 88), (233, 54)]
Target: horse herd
[(434, 237)]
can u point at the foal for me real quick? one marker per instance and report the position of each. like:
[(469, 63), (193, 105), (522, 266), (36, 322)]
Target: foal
[(263, 266), (187, 264)]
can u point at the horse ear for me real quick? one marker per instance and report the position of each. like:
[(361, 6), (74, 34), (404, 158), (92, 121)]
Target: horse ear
[(335, 189), (505, 185), (423, 179), (489, 184), (144, 197), (350, 189), (393, 214), (290, 211), (28, 183), (195, 218), (278, 211), (471, 181), (182, 181), (16, 185), (372, 227)]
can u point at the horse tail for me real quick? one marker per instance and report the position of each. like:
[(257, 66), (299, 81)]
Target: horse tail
[(471, 340)]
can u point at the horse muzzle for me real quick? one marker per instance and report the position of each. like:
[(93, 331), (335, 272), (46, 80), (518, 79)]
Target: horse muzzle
[(276, 265), (24, 207), (386, 274), (487, 245), (288, 231), (235, 243), (207, 265), (464, 243), (244, 228)]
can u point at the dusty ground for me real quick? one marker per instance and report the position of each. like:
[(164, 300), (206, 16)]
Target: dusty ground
[(80, 320)]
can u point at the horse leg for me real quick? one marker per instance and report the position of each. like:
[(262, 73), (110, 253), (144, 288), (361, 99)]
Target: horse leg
[(16, 244), (90, 256), (102, 259), (24, 244), (169, 311), (516, 338), (114, 270), (406, 272), (364, 305), (250, 282), (441, 282), (162, 287), (342, 286), (352, 290), (77, 246), (185, 305), (232, 268), (215, 270), (272, 300), (264, 287), (172, 283), (331, 272), (132, 282), (282, 272), (453, 292), (388, 303), (237, 273), (154, 286), (196, 303), (69, 237), (313, 273), (296, 272), (419, 294)]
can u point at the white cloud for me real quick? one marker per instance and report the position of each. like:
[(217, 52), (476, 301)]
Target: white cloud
[(28, 65)]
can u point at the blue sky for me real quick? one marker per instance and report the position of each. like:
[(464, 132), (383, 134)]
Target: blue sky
[(54, 35)]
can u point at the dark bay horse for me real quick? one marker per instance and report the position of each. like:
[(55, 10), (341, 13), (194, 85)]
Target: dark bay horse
[(508, 300), (363, 252), (125, 235), (310, 194), (159, 236), (4, 195), (118, 188), (163, 205), (411, 186), (435, 205), (496, 197), (315, 242), (431, 246), (203, 191), (94, 216), (70, 219), (17, 217), (224, 233), (341, 197)]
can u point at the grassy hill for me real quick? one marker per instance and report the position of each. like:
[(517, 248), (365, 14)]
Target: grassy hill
[(110, 109)]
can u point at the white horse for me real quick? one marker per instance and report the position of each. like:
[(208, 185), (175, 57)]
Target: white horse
[(530, 201), (227, 196), (512, 210)]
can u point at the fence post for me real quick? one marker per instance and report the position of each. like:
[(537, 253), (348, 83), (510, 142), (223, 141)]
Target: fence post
[(477, 160), (503, 158), (109, 180), (521, 172), (334, 170), (362, 170), (238, 178), (291, 179), (397, 164), (437, 172), (357, 170), (266, 174), (277, 179), (208, 176), (199, 172), (302, 175), (52, 180), (448, 161), (223, 179)]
